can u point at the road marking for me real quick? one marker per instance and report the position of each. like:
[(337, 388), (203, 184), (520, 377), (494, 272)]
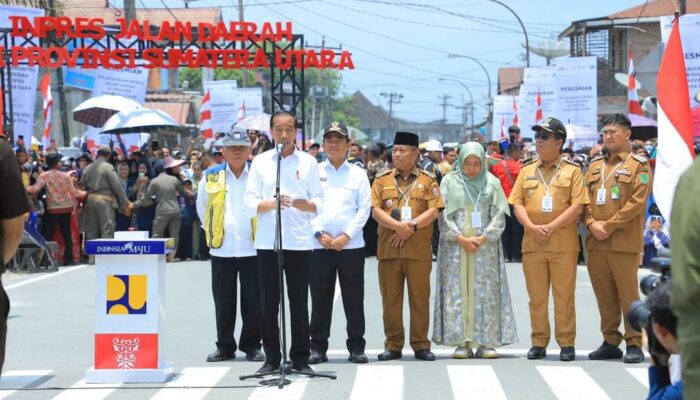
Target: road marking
[(19, 379), (571, 383), (293, 391), (378, 382), (641, 374), (475, 382), (47, 276), (336, 293), (194, 377), (88, 391)]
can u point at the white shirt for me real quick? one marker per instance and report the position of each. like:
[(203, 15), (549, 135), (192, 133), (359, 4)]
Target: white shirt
[(347, 203), (238, 227), (299, 180)]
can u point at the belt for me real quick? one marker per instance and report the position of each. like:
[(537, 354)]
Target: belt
[(104, 197)]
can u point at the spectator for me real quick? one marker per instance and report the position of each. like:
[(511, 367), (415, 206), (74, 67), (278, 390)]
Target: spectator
[(507, 172), (61, 196), (355, 156), (144, 215), (656, 240), (449, 155), (188, 212), (25, 167), (314, 149), (123, 220)]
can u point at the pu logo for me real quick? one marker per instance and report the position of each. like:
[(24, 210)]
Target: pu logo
[(127, 294)]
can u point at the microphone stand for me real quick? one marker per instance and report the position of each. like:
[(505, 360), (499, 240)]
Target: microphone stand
[(285, 368)]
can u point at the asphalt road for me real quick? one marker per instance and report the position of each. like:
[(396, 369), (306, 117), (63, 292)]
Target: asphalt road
[(50, 346)]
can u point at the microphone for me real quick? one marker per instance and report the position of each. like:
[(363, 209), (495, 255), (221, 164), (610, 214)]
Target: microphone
[(279, 147)]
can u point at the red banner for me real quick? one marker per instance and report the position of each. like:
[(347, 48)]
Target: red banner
[(126, 351)]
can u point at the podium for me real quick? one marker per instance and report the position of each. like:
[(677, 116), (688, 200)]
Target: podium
[(129, 309)]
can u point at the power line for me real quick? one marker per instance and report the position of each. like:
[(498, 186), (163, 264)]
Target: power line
[(169, 10)]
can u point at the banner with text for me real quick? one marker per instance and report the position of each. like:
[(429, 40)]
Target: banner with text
[(577, 97), (503, 114), (224, 104), (544, 82)]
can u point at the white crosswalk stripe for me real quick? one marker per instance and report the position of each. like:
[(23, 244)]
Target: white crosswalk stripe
[(571, 383), (84, 391), (475, 382), (200, 379), (293, 391), (19, 379), (641, 374), (378, 382)]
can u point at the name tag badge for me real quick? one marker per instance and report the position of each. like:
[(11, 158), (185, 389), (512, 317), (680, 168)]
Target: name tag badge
[(600, 196), (476, 219), (406, 214), (547, 204), (615, 192)]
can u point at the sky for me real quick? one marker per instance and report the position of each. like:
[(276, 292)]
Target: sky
[(402, 46)]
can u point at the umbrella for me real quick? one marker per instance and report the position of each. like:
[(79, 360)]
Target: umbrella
[(256, 122), (139, 121), (643, 128), (97, 110)]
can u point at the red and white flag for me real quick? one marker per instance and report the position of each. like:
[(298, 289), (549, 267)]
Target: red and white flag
[(45, 87), (633, 106), (504, 130), (515, 112), (538, 101), (241, 112), (205, 117), (675, 146)]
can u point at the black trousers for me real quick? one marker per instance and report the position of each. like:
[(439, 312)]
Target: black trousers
[(4, 312), (349, 266), (224, 273), (296, 272), (512, 238), (369, 233), (49, 226)]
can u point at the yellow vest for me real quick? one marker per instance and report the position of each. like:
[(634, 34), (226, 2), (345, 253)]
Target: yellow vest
[(215, 181)]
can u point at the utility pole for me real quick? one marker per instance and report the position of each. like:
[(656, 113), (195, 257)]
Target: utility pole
[(244, 72), (444, 105), (321, 93), (393, 98), (683, 7), (65, 130), (129, 10)]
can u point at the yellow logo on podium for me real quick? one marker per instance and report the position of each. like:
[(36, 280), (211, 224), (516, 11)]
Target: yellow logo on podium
[(127, 294)]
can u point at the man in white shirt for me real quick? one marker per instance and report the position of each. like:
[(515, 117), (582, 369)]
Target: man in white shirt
[(300, 195), (228, 228), (339, 248)]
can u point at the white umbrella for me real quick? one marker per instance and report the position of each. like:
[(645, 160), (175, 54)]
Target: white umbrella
[(139, 121), (97, 110), (256, 122)]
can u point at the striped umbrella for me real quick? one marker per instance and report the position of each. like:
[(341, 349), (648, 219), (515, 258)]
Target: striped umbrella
[(97, 110)]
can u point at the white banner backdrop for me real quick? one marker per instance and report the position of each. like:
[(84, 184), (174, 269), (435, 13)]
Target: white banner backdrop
[(690, 38), (250, 101), (224, 103), (577, 96), (503, 114), (24, 81), (534, 80)]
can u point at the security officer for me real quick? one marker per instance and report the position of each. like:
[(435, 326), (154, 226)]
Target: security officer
[(405, 202), (548, 196), (105, 194), (431, 159), (619, 184)]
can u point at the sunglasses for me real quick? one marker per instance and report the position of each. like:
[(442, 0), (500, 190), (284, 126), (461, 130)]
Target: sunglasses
[(543, 135)]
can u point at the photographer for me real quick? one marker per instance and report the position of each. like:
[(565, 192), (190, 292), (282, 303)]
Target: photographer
[(662, 343)]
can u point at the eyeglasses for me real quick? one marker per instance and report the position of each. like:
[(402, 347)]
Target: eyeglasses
[(542, 135)]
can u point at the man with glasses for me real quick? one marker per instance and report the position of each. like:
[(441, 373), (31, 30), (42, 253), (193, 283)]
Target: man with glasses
[(405, 202), (619, 184), (228, 227), (548, 197)]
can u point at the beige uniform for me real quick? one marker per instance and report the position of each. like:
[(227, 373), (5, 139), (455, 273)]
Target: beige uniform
[(553, 263), (411, 263), (105, 195), (613, 263)]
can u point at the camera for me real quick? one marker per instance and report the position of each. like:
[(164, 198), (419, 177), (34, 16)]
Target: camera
[(639, 315)]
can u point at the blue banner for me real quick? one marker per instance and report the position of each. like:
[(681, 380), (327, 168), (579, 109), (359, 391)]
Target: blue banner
[(128, 247)]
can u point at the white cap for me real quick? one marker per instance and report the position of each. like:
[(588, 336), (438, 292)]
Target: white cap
[(433, 145)]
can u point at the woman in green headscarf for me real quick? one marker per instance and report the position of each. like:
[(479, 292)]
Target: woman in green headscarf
[(472, 300)]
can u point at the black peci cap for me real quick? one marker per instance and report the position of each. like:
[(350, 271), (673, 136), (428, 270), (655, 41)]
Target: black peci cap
[(406, 138)]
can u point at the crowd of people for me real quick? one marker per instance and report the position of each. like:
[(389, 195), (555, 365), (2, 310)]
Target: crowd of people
[(470, 207)]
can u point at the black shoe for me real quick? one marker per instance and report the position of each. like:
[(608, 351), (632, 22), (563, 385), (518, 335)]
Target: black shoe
[(317, 357), (536, 352), (606, 351), (358, 357), (217, 356), (302, 367), (268, 368), (425, 355), (255, 355), (634, 355), (389, 355), (567, 354)]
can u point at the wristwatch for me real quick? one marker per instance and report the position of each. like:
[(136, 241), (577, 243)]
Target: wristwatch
[(415, 227), (318, 234)]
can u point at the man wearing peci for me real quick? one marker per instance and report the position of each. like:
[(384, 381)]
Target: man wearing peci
[(339, 248), (229, 229), (300, 196)]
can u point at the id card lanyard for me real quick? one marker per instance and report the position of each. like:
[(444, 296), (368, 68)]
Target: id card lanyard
[(602, 193), (476, 214), (547, 203), (406, 212)]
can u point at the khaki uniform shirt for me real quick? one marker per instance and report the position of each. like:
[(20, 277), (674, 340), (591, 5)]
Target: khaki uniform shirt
[(163, 190), (629, 177), (424, 195), (101, 178), (566, 188)]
